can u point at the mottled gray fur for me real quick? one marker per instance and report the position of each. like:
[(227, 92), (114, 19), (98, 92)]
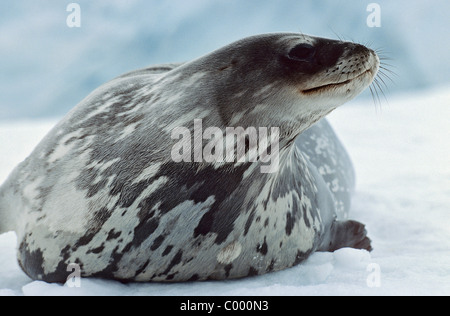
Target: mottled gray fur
[(102, 191)]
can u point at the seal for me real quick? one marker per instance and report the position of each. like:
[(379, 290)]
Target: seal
[(102, 190)]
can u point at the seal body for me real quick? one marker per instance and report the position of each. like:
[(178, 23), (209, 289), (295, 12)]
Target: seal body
[(102, 190)]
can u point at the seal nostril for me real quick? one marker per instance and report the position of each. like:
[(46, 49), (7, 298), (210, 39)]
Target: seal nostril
[(302, 52)]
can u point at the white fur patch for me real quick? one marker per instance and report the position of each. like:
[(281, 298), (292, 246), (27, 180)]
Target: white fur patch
[(229, 253)]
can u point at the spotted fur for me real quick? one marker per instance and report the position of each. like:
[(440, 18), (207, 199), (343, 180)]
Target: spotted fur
[(101, 190)]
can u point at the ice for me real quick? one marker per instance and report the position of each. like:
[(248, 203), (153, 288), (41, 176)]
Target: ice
[(401, 154)]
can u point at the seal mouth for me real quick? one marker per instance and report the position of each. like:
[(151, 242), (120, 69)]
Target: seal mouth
[(337, 84)]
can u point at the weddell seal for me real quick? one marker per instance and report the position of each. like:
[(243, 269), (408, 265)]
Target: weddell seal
[(103, 189)]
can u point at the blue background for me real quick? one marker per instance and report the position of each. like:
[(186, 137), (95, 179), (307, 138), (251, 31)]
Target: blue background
[(47, 67)]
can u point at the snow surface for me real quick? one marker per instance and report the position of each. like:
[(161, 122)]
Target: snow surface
[(401, 152), (57, 65)]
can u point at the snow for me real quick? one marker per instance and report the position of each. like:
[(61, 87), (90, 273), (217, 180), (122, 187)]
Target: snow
[(401, 153)]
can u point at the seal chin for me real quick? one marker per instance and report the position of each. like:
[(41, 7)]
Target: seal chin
[(363, 79)]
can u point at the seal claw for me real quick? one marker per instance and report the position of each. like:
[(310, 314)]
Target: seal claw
[(349, 233)]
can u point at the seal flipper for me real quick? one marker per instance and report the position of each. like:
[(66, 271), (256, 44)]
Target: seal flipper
[(349, 233)]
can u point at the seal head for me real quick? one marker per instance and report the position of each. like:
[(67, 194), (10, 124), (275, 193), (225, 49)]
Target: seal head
[(103, 191)]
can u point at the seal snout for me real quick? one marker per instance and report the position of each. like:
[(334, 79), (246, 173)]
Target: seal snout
[(358, 60), (342, 64)]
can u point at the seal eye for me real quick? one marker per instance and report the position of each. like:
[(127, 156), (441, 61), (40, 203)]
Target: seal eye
[(302, 52)]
